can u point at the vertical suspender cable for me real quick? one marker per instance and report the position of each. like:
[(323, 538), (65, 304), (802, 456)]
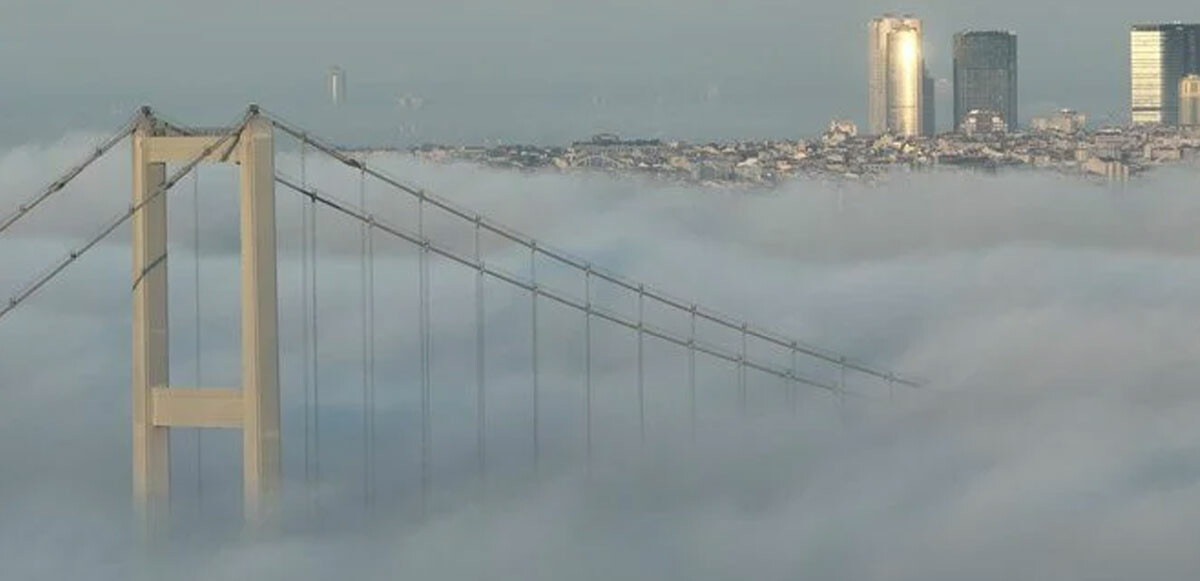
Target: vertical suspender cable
[(315, 357), (362, 295), (795, 387), (841, 392), (306, 308), (426, 396), (533, 327), (199, 370), (371, 455), (692, 375), (742, 374), (480, 345), (367, 276), (587, 363), (641, 368)]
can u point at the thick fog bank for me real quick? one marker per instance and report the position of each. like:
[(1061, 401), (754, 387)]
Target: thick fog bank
[(1054, 322)]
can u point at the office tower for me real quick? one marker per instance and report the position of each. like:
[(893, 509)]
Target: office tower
[(985, 74), (895, 85), (928, 103), (337, 85), (1189, 101), (1160, 55)]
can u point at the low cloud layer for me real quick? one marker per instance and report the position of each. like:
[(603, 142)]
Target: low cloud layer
[(1053, 320)]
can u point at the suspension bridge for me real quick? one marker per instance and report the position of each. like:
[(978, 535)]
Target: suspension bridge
[(253, 404)]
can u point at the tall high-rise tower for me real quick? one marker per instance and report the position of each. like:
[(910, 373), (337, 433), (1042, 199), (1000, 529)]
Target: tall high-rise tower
[(896, 82), (1189, 101), (337, 85), (1160, 55), (985, 74), (928, 103)]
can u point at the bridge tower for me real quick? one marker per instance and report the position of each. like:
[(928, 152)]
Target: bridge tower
[(252, 407)]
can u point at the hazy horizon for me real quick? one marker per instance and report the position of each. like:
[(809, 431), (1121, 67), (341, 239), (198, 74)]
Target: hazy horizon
[(531, 70)]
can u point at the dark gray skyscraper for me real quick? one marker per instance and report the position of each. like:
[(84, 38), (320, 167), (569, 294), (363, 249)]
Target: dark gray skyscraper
[(928, 102), (985, 74), (1160, 55)]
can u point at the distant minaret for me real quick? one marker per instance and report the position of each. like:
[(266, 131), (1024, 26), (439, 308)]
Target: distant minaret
[(337, 85)]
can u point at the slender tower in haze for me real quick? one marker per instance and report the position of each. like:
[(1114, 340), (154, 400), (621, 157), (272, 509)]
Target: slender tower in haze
[(337, 85), (896, 85)]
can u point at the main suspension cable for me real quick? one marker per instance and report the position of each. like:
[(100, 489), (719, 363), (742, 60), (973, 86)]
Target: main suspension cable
[(66, 178), (428, 247), (579, 264), (115, 222)]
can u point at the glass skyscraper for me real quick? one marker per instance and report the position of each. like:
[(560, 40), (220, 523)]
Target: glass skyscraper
[(896, 87), (1160, 55), (985, 74)]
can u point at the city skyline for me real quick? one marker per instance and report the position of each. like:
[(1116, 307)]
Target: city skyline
[(782, 69), (900, 90)]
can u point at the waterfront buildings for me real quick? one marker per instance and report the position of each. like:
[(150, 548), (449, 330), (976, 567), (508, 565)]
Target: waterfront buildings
[(897, 77), (1160, 55), (985, 75)]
